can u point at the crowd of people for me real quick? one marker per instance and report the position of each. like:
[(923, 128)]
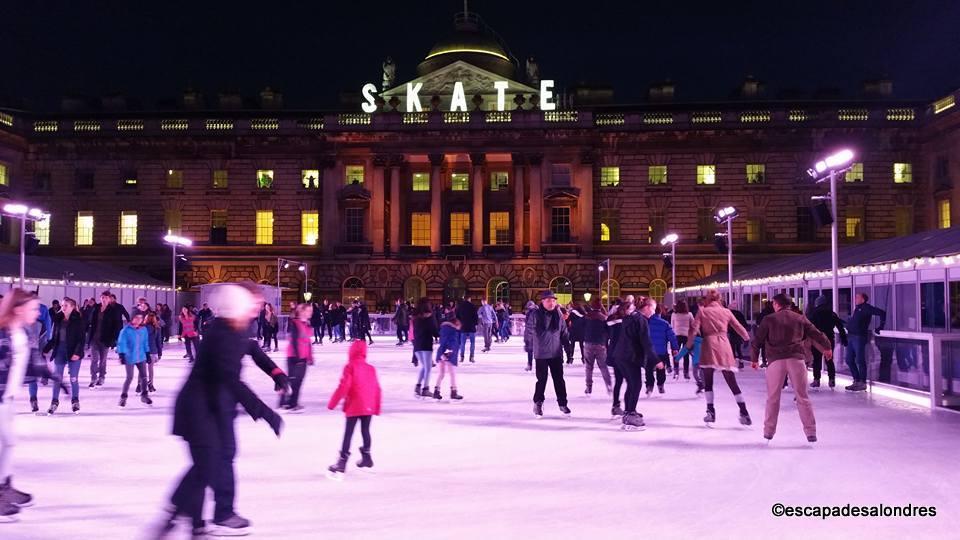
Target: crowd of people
[(634, 338)]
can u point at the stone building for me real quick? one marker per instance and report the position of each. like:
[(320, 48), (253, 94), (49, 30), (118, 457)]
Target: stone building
[(515, 194)]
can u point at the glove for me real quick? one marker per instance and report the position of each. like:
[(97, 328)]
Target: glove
[(274, 420), (280, 380), (877, 331)]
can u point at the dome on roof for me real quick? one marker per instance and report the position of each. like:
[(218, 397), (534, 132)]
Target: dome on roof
[(473, 42)]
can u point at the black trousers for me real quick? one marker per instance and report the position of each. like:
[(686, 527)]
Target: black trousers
[(318, 333), (296, 371), (661, 373), (818, 366), (682, 340), (402, 334), (212, 466), (364, 432), (617, 383), (555, 367), (633, 374)]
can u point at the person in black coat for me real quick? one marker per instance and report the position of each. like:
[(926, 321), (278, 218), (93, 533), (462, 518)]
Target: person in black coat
[(632, 354), (466, 313), (206, 409), (316, 321), (105, 325), (826, 320), (736, 342), (401, 317), (67, 343)]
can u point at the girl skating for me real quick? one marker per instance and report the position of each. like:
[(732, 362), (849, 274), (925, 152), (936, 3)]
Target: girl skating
[(359, 390)]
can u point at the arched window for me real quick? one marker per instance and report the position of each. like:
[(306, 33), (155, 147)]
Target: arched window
[(455, 289), (414, 288), (498, 290), (604, 232), (563, 289), (658, 288), (353, 290), (609, 291)]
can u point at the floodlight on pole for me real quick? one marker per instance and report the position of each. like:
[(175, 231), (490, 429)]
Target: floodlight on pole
[(603, 266), (24, 213), (833, 165), (672, 239), (175, 240), (727, 215)]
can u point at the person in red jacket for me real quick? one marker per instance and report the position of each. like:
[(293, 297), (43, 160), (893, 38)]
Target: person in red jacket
[(360, 391)]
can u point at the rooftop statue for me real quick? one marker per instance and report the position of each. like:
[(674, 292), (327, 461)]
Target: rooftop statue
[(389, 73)]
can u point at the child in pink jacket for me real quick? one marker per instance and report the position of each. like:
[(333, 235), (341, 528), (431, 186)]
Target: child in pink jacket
[(360, 391)]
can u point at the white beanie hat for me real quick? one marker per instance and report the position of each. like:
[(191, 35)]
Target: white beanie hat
[(231, 301)]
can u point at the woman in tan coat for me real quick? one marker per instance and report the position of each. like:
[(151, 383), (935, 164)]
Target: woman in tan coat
[(712, 323)]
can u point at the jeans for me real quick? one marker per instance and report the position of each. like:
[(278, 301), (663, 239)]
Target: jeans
[(364, 432), (98, 360), (192, 344), (857, 357), (505, 330), (682, 340), (296, 371), (633, 374), (472, 337), (318, 333), (486, 330), (141, 377), (60, 362), (555, 367), (426, 362), (596, 353)]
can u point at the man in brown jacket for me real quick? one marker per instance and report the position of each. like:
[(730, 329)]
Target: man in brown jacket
[(782, 336)]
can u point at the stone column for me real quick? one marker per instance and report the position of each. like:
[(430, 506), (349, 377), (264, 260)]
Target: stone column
[(436, 210), (476, 221), (583, 179), (535, 172), (518, 199), (395, 211), (377, 204), (332, 172)]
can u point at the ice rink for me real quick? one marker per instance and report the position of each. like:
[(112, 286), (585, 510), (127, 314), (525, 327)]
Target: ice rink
[(486, 469)]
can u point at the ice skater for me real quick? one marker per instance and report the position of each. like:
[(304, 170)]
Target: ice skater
[(133, 346), (633, 354), (690, 352), (447, 353), (18, 310), (547, 331), (66, 344), (424, 330), (712, 322), (595, 337), (664, 342), (154, 326), (299, 356), (360, 392), (205, 413)]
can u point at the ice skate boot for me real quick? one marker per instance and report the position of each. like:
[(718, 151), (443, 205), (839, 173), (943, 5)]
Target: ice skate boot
[(811, 439), (151, 388), (123, 400), (660, 389), (565, 410), (53, 407), (632, 422), (145, 399), (455, 396), (649, 391), (832, 384), (75, 405), (711, 416), (416, 391), (8, 512), (538, 410), (34, 406), (436, 394), (336, 471), (14, 496), (587, 392), (365, 461), (231, 526), (426, 393), (744, 415), (616, 411), (815, 384)]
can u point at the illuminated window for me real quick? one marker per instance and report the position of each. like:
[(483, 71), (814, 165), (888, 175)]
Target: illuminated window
[(4, 178), (609, 176), (264, 227), (498, 290), (560, 224), (657, 174), (903, 220), (309, 227), (500, 228), (264, 178), (854, 224), (902, 173), (354, 174), (609, 289), (706, 175), (855, 174), (421, 181), (83, 234), (420, 228), (459, 228), (218, 227), (41, 231), (130, 179), (310, 178), (460, 182), (604, 232), (658, 289), (756, 173), (943, 214), (609, 224), (562, 289), (754, 230), (128, 228), (657, 228), (174, 179), (173, 220), (499, 181), (354, 226), (220, 179)]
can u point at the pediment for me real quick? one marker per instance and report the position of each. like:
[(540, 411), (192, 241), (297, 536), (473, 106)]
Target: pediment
[(475, 81)]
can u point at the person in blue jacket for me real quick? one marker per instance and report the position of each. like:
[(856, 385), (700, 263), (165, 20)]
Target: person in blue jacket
[(664, 341), (133, 346), (694, 352)]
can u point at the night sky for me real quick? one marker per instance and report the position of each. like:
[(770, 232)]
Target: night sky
[(311, 51)]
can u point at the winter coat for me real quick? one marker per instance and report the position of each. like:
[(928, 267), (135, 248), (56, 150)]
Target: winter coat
[(401, 317), (298, 346), (359, 388), (859, 324), (487, 315), (155, 341), (527, 336), (133, 344), (72, 331), (783, 335), (735, 341), (467, 314), (547, 331), (206, 406), (826, 321), (188, 324), (633, 345), (595, 330), (661, 335), (316, 318), (105, 325), (36, 367), (449, 338), (712, 322), (424, 330), (680, 322), (576, 321)]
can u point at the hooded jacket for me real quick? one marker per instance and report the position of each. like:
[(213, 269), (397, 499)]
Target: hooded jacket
[(449, 338), (359, 388)]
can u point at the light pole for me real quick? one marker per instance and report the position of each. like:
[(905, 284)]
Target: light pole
[(672, 239), (174, 241), (604, 265), (284, 264), (727, 215), (833, 165), (23, 213)]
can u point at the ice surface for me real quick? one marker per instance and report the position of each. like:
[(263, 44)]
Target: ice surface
[(486, 469)]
